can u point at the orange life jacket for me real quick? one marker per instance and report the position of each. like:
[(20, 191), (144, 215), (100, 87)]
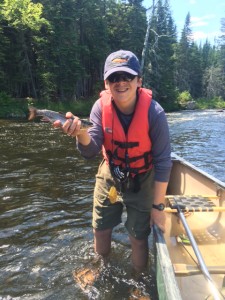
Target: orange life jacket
[(131, 151)]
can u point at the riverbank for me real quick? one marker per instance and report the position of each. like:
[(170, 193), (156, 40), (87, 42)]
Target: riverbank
[(18, 108)]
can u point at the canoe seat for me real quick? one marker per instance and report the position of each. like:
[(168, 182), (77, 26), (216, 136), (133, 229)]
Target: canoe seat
[(187, 270), (192, 203)]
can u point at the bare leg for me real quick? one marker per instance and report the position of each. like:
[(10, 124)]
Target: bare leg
[(139, 253), (102, 245), (102, 242)]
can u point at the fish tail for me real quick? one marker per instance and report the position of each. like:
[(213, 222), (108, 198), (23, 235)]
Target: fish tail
[(32, 113)]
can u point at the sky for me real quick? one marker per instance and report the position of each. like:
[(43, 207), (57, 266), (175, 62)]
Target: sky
[(205, 17)]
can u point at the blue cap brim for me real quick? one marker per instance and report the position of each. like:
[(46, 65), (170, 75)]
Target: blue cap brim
[(119, 69)]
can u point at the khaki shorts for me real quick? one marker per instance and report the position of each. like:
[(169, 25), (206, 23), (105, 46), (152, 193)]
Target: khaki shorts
[(138, 205)]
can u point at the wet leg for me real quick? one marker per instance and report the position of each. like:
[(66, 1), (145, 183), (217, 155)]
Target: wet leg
[(86, 277), (102, 242), (139, 253)]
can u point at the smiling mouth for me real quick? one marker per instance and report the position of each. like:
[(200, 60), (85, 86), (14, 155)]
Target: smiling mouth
[(122, 90)]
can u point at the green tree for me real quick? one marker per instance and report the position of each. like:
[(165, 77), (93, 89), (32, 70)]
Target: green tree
[(159, 69), (23, 18), (195, 71), (55, 49), (182, 75), (75, 49), (206, 55), (209, 57), (222, 57), (214, 75), (3, 62), (126, 25)]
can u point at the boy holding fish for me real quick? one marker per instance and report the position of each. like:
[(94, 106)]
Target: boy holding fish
[(131, 130)]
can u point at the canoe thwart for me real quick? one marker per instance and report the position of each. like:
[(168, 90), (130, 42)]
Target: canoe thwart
[(192, 203), (187, 270)]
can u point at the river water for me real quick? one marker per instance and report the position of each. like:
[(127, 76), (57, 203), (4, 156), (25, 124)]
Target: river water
[(46, 206), (199, 137)]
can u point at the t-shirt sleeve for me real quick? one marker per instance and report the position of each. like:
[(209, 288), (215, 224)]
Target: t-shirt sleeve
[(95, 132), (161, 148)]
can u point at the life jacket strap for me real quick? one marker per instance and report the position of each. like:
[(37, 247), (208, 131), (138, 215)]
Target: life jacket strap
[(126, 145)]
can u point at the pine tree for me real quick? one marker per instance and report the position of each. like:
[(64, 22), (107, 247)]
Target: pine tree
[(182, 76), (159, 69), (195, 71)]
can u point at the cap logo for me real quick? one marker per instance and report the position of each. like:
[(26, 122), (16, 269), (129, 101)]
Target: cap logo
[(119, 60)]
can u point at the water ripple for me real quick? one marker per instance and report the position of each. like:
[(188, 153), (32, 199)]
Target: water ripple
[(46, 207)]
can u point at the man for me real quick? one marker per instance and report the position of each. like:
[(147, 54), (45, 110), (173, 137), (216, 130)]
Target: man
[(132, 131)]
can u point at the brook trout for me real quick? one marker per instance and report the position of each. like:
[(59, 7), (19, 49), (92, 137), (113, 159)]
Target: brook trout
[(52, 116)]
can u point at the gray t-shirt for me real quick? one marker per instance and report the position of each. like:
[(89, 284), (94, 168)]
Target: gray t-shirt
[(159, 135)]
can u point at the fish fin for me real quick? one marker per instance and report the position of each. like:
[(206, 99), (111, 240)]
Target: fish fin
[(45, 119), (61, 113), (32, 113)]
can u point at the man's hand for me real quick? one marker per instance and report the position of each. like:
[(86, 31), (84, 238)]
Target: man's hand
[(158, 218), (72, 126)]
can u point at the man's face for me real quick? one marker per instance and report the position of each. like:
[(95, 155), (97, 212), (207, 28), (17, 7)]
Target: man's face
[(123, 87)]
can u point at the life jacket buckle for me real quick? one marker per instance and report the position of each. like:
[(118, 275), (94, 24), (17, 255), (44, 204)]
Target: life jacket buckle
[(121, 174)]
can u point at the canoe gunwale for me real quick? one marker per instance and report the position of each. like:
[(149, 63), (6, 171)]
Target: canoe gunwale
[(166, 282), (182, 161)]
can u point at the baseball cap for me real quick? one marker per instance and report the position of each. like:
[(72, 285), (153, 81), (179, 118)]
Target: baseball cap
[(121, 60)]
